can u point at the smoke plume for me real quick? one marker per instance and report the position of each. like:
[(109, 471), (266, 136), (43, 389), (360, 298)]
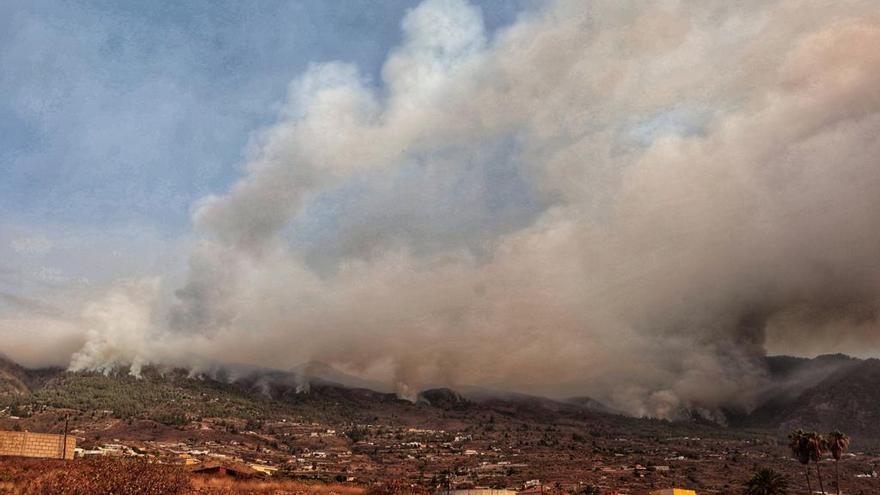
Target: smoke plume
[(628, 200)]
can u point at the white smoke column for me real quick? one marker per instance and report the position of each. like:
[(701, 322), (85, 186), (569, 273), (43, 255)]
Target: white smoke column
[(118, 328), (707, 173)]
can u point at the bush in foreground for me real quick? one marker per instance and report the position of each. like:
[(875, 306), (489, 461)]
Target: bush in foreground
[(113, 476), (396, 488), (109, 476)]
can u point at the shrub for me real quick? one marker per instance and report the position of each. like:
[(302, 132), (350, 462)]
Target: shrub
[(396, 488), (109, 476)]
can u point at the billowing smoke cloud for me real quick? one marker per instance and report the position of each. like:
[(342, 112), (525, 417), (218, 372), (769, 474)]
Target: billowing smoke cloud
[(624, 199)]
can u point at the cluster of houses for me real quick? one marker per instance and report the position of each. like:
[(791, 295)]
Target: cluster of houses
[(535, 487)]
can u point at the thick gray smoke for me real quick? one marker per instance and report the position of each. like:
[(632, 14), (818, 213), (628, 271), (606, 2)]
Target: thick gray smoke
[(631, 200)]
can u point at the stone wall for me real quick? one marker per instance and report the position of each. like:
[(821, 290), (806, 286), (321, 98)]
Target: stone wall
[(27, 444)]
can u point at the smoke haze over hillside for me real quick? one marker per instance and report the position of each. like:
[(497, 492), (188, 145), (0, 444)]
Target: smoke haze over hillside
[(633, 201)]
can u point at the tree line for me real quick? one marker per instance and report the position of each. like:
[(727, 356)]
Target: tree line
[(808, 447)]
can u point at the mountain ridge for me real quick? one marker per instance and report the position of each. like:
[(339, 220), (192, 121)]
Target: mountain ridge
[(823, 393)]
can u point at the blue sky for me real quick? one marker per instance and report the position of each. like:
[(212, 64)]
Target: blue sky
[(121, 114)]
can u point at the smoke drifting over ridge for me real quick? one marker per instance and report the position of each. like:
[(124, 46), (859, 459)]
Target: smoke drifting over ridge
[(625, 200)]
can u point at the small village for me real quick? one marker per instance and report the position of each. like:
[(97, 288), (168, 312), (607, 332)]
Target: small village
[(495, 456)]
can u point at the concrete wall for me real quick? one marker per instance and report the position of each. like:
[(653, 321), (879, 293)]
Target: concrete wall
[(27, 444)]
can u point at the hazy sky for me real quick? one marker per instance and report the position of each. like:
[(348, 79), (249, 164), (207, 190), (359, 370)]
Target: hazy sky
[(116, 117), (635, 200)]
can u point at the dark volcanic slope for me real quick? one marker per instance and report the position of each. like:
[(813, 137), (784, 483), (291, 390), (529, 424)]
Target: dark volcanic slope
[(846, 399), (791, 378)]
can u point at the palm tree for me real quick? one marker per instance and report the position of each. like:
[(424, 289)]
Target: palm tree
[(799, 445), (838, 443), (766, 481), (817, 446)]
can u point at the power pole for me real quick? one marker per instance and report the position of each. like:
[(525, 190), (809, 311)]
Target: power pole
[(64, 446)]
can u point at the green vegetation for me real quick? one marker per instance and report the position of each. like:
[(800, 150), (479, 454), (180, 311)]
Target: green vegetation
[(357, 434), (172, 399), (766, 481), (588, 490)]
